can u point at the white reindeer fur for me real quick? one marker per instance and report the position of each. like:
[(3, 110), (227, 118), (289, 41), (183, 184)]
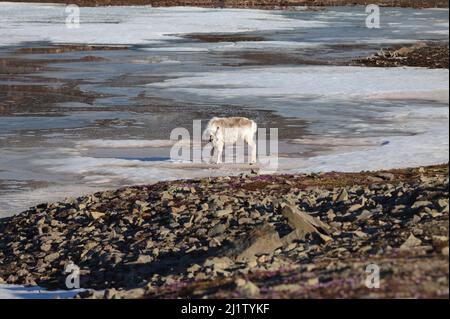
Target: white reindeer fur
[(229, 130)]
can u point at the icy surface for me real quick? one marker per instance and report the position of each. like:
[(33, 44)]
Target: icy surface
[(317, 82), (147, 26), (414, 133), (35, 292), (132, 25)]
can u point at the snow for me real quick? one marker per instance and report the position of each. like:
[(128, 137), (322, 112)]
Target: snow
[(416, 131), (318, 82), (429, 146), (339, 103), (146, 26), (34, 292), (132, 24), (124, 143), (440, 32), (135, 170)]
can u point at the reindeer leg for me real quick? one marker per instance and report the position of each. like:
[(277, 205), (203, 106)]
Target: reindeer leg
[(219, 153), (251, 143)]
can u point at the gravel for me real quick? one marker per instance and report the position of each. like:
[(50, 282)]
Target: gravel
[(262, 236)]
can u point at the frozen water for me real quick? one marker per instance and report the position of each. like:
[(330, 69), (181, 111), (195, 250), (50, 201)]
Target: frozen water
[(34, 292)]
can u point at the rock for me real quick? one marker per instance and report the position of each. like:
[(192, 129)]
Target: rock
[(290, 247), (440, 241), (96, 215), (325, 238), (354, 208), (245, 220), (386, 176), (302, 221), (403, 51), (411, 242), (416, 219), (194, 268), (374, 179), (287, 288), (249, 290), (365, 215), (144, 259), (218, 263), (155, 252), (295, 235), (255, 214), (360, 234), (46, 247), (398, 209), (51, 257), (223, 212), (443, 203), (343, 196), (421, 204), (217, 229), (143, 206), (136, 293), (240, 282), (166, 196), (263, 239), (177, 210), (444, 251), (435, 214), (313, 282), (331, 215), (110, 293)]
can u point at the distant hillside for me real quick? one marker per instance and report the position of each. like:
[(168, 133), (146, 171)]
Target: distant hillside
[(254, 3)]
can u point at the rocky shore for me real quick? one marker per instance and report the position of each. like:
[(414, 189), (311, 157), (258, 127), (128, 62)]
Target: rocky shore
[(257, 4), (421, 54), (262, 236)]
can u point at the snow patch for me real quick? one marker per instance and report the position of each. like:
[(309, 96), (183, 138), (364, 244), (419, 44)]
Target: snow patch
[(130, 25), (125, 143), (318, 82), (34, 292)]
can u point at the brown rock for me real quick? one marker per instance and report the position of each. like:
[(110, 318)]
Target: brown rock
[(217, 229), (262, 240), (248, 289), (302, 221), (296, 234), (96, 215), (411, 242), (343, 196), (51, 257)]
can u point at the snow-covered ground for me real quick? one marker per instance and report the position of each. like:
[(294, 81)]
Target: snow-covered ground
[(22, 292), (132, 25), (149, 27), (281, 85)]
